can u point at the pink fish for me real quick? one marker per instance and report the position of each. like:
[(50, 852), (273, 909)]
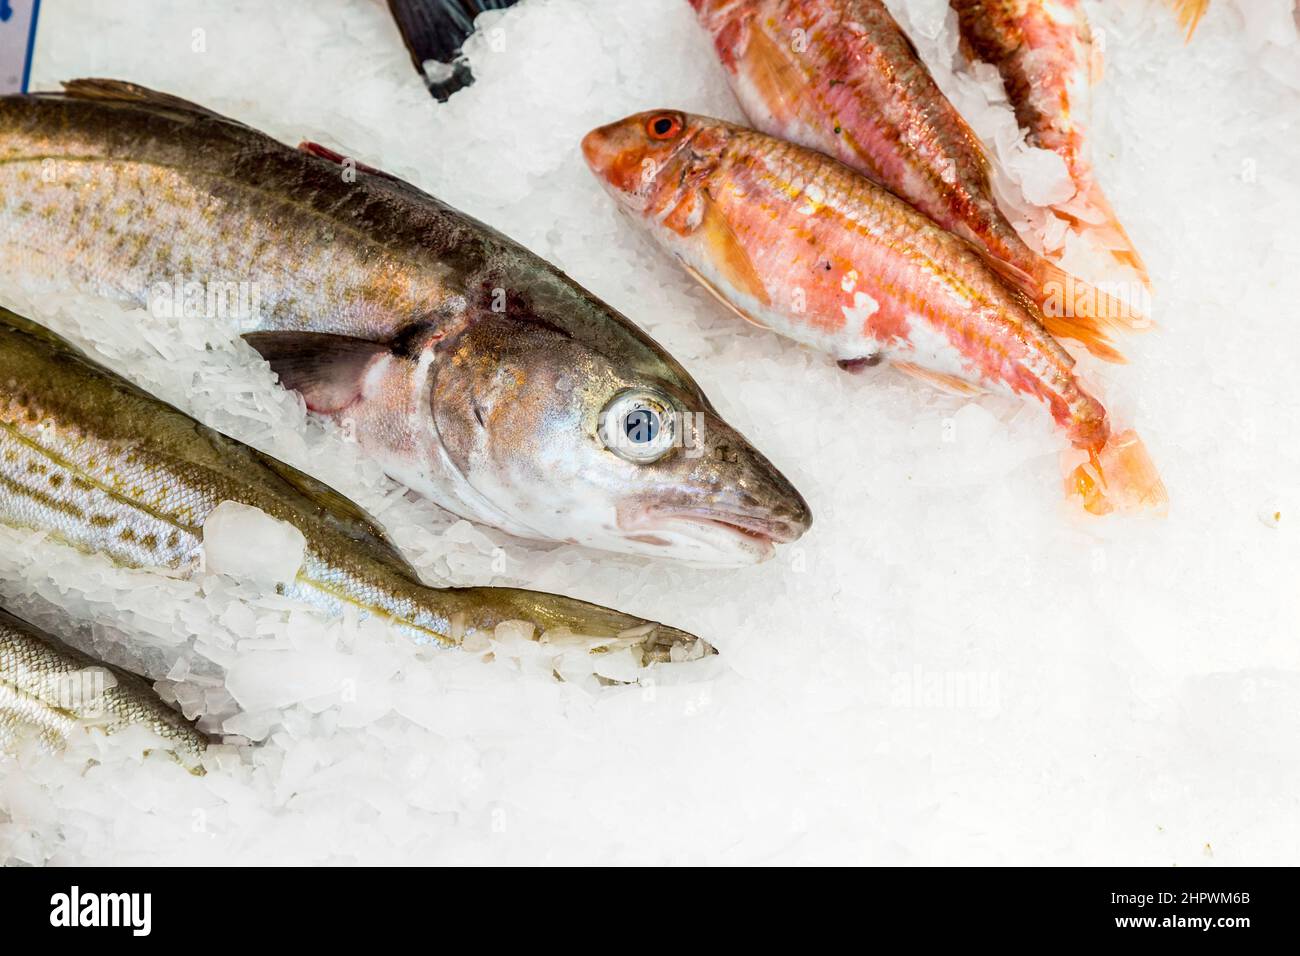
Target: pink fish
[(841, 77), (796, 242)]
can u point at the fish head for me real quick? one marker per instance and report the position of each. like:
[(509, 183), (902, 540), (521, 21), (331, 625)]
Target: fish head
[(655, 163), (589, 432)]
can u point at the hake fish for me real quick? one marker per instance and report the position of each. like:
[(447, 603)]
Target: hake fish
[(107, 468), (841, 77), (796, 242), (56, 690), (1043, 50), (478, 374)]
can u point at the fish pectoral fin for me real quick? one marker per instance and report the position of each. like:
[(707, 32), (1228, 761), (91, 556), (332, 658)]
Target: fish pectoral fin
[(328, 370), (713, 291), (770, 68), (940, 380), (727, 253)]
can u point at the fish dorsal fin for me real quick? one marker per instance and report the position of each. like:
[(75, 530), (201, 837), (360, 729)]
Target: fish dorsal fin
[(940, 380), (713, 291), (728, 255), (122, 91)]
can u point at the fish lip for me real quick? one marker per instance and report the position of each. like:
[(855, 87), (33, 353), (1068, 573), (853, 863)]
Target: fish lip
[(769, 530), (591, 147)]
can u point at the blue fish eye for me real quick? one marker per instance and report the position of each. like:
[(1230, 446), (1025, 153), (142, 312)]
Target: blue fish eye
[(641, 426)]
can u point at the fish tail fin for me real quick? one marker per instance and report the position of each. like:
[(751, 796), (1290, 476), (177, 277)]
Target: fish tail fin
[(1189, 13), (1104, 226), (1119, 477), (1079, 311), (434, 31), (1070, 308)]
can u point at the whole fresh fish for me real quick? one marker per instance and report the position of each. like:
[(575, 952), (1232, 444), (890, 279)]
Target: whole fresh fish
[(1043, 49), (105, 467), (841, 77), (796, 242), (56, 690), (474, 371)]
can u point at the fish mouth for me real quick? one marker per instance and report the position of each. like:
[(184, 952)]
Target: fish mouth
[(711, 536)]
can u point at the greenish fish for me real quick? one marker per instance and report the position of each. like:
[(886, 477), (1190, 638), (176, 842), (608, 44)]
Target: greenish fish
[(107, 468)]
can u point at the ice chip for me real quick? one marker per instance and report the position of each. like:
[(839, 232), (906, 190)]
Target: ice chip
[(1042, 176), (244, 542)]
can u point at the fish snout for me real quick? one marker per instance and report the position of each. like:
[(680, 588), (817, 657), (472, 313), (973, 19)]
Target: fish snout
[(754, 496), (601, 150), (779, 511), (618, 155)]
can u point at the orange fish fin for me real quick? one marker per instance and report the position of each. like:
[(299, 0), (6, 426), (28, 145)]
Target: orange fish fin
[(769, 68), (1070, 308), (940, 380), (1011, 273), (713, 291), (1077, 310), (728, 254), (1087, 333), (1108, 232), (1189, 13), (1121, 477)]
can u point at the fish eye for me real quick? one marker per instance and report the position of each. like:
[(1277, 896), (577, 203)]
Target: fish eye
[(664, 125), (639, 425)]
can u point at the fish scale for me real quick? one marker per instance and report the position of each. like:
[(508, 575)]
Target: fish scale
[(238, 233), (55, 689), (914, 272)]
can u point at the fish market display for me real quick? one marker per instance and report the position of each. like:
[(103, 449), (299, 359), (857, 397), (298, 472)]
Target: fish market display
[(55, 690), (475, 372), (798, 243), (103, 466), (841, 77), (1044, 51)]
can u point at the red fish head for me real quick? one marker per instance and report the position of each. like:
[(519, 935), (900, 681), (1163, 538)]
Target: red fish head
[(650, 161)]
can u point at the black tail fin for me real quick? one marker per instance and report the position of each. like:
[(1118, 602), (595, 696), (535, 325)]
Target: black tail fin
[(435, 30)]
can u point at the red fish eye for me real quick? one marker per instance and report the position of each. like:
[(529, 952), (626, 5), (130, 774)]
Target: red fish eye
[(664, 125)]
